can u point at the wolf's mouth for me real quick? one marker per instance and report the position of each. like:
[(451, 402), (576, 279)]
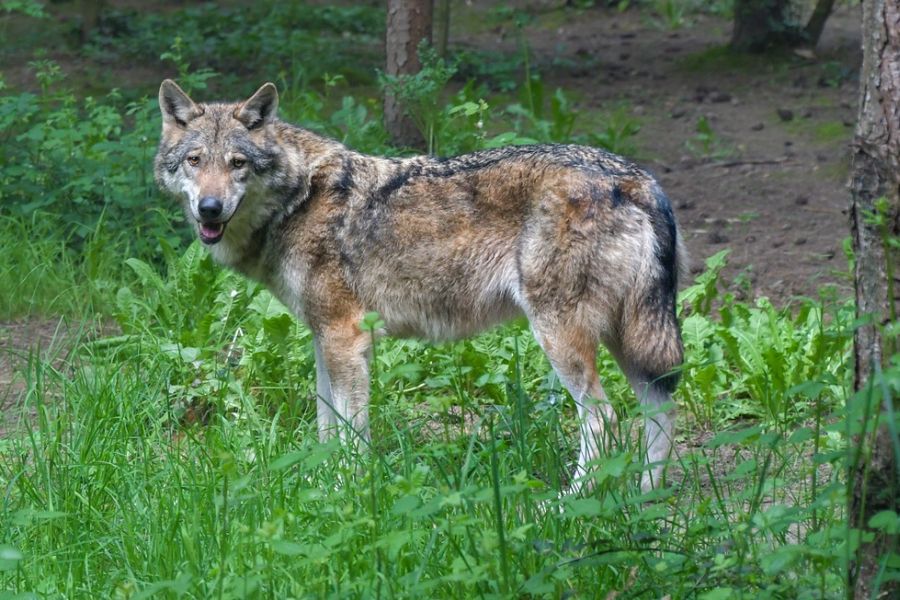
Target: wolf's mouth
[(211, 233)]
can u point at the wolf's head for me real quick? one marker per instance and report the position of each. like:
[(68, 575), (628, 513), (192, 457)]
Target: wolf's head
[(213, 156)]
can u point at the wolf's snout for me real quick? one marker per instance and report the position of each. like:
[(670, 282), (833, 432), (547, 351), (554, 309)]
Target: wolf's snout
[(210, 208)]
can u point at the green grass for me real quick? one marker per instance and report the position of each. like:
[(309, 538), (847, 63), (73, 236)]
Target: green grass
[(832, 131), (42, 274), (109, 495), (724, 59), (823, 132), (114, 489)]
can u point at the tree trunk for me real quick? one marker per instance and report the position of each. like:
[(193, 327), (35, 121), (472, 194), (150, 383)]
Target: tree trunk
[(408, 23), (816, 25), (759, 24), (875, 174), (90, 15), (441, 26), (763, 24)]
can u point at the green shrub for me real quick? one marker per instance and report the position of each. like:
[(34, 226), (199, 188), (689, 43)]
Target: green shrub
[(265, 37), (82, 159)]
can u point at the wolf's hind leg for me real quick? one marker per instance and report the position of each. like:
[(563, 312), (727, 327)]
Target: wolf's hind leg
[(651, 354), (572, 352), (659, 427)]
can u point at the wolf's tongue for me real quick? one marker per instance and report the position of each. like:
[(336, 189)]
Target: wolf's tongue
[(211, 230)]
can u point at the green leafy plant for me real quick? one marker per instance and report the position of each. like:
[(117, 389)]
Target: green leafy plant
[(305, 41), (834, 74), (706, 142), (531, 117), (767, 354), (672, 13), (26, 7), (421, 94), (617, 133), (498, 71), (191, 80), (77, 159), (242, 328)]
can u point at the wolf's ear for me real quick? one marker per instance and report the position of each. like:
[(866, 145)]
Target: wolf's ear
[(176, 106), (260, 109)]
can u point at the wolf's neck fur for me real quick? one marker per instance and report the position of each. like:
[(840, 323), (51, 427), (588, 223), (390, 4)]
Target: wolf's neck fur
[(314, 164), (304, 155)]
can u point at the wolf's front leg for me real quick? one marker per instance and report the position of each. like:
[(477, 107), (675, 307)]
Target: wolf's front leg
[(342, 386), (325, 414)]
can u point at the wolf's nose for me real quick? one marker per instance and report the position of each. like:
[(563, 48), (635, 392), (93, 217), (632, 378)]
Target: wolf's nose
[(210, 208)]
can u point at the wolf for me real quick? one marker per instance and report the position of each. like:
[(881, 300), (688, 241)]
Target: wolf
[(578, 240)]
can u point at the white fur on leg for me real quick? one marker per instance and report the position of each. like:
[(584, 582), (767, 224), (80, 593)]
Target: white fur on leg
[(350, 400), (345, 354), (659, 432), (595, 416), (325, 415)]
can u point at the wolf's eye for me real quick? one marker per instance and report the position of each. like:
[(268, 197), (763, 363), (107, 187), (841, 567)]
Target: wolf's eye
[(193, 160), (238, 163)]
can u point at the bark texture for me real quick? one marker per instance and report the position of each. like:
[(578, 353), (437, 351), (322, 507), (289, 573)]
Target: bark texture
[(408, 23), (875, 173)]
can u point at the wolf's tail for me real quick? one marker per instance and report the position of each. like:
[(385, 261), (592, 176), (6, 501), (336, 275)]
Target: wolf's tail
[(650, 335)]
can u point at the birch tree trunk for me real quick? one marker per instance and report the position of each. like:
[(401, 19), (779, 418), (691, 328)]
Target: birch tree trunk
[(875, 174)]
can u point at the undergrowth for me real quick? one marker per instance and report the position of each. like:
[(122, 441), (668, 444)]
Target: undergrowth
[(41, 273), (180, 458)]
